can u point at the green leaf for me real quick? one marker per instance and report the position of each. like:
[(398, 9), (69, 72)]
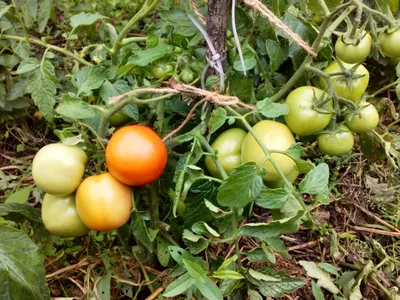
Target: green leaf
[(42, 86), (20, 196), (178, 254), (108, 89), (323, 196), (209, 289), (4, 8), (271, 229), (272, 198), (275, 53), (296, 151), (254, 295), (163, 254), (44, 12), (268, 253), (276, 244), (28, 65), (241, 187), (179, 286), (283, 285), (249, 61), (103, 287), (85, 19), (227, 274), (203, 228), (140, 231), (260, 276), (317, 292), (22, 273), (194, 270), (226, 263), (75, 110), (241, 86), (217, 119), (256, 255), (19, 212), (88, 78), (323, 278), (304, 166), (144, 57), (316, 180), (228, 286), (22, 49), (271, 109), (195, 243), (329, 268)]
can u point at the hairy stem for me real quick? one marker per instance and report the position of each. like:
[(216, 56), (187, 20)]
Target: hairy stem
[(46, 45), (146, 9)]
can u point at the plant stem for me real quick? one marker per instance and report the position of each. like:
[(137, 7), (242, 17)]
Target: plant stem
[(357, 21), (135, 39), (20, 20), (316, 45), (107, 114), (390, 22), (386, 87), (154, 203), (207, 146), (146, 9), (46, 45), (236, 238), (324, 7)]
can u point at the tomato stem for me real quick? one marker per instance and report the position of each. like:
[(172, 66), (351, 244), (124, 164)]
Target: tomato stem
[(146, 9), (357, 21), (391, 23), (46, 45)]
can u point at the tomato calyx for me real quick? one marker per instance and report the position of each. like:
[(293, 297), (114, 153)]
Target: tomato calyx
[(348, 75)]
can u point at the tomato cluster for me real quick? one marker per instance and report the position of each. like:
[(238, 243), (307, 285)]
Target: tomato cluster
[(135, 156)]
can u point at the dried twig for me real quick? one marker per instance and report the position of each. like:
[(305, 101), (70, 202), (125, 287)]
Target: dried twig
[(82, 263), (256, 4), (377, 231), (302, 246), (155, 294), (384, 223)]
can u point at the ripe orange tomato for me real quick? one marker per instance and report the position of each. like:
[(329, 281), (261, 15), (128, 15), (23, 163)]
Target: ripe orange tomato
[(136, 155), (103, 203)]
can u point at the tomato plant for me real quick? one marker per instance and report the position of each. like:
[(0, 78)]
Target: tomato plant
[(58, 169), (187, 76), (344, 85), (337, 142), (390, 43), (162, 70), (275, 136), (366, 119), (103, 203), (354, 51), (228, 144), (303, 117), (60, 216), (136, 155), (119, 118)]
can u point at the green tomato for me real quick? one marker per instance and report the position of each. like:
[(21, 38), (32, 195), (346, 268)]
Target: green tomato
[(279, 183), (58, 169), (162, 70), (353, 91), (119, 118), (394, 5), (187, 76), (60, 216), (390, 43), (366, 119), (354, 53), (302, 119), (274, 136), (338, 142), (228, 144)]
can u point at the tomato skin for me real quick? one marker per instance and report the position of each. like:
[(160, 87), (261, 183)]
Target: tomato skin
[(367, 121), (161, 70), (353, 54), (390, 43), (135, 155), (103, 203), (302, 119), (58, 169), (358, 86), (335, 143), (275, 136), (60, 216), (229, 146), (119, 118), (187, 76)]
